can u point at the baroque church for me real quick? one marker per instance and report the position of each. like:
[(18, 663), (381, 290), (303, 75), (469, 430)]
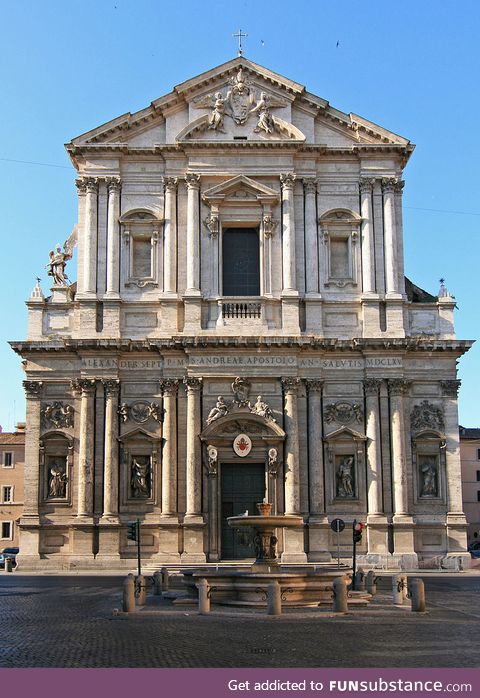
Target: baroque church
[(240, 329)]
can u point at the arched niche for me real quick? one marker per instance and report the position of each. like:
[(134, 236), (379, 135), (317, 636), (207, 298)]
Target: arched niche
[(267, 439), (140, 476), (429, 466), (56, 468), (341, 236), (140, 243), (345, 472)]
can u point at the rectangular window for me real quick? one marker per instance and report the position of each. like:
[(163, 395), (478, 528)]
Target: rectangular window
[(241, 262), (7, 494), (478, 496), (7, 528), (142, 258), (478, 475), (478, 453), (8, 459)]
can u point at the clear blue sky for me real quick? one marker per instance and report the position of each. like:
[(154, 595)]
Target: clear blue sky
[(67, 66)]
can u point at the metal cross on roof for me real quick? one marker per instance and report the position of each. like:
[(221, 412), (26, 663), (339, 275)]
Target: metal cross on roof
[(239, 36)]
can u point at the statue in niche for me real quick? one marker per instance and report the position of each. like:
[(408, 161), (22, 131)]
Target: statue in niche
[(215, 121), (57, 263), (262, 409), (57, 480), (429, 478), (345, 478), (220, 410), (140, 477), (265, 119)]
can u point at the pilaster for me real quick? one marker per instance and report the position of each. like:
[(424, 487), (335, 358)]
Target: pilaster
[(169, 388), (290, 309), (85, 450)]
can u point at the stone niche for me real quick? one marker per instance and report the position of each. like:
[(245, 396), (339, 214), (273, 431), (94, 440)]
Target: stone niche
[(140, 480), (56, 467), (345, 479)]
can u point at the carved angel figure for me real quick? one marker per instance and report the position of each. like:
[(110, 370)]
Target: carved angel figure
[(220, 410), (262, 409), (215, 120), (123, 412), (57, 263), (265, 119)]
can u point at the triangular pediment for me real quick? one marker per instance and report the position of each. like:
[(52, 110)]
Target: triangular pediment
[(139, 433), (345, 432), (240, 187)]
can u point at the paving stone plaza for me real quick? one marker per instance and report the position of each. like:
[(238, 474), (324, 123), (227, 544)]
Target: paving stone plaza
[(69, 622)]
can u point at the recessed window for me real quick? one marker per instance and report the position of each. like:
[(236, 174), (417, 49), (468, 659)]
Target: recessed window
[(339, 258), (8, 459), (7, 494), (478, 475), (7, 528), (241, 262), (478, 496), (478, 453), (142, 258)]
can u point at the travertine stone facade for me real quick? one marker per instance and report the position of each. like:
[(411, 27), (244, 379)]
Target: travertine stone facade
[(240, 274)]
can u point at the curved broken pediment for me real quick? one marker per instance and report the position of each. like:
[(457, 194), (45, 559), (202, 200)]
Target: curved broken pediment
[(242, 422)]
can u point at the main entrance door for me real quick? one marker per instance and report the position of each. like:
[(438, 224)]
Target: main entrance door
[(242, 487)]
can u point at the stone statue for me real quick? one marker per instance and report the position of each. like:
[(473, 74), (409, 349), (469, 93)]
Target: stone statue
[(262, 409), (139, 479), (345, 478), (56, 265), (220, 410), (57, 481), (265, 119), (215, 120), (429, 480), (123, 412)]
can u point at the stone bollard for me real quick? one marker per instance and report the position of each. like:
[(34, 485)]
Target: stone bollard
[(203, 596), (8, 565), (359, 580), (416, 589), (399, 583), (141, 590), (165, 578), (274, 599), (371, 582), (128, 604), (340, 603), (157, 583)]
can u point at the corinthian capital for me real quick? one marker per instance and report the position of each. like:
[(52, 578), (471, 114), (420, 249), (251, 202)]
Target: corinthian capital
[(366, 185), (314, 385), (287, 180), (310, 185), (290, 384), (398, 386), (111, 386), (192, 385), (87, 386), (388, 184), (169, 387), (192, 180), (399, 186), (170, 184), (33, 389), (450, 388), (81, 185), (372, 386), (114, 184)]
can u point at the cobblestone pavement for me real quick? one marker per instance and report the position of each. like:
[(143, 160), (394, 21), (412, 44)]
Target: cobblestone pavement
[(68, 622)]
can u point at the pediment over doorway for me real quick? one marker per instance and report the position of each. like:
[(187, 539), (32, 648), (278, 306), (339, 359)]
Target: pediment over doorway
[(240, 188), (243, 422)]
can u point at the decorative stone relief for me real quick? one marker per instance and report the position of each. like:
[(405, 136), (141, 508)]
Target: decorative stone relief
[(450, 388), (140, 477), (262, 409), (272, 462), (426, 416), (57, 415), (213, 224), (343, 412), (33, 389), (269, 225), (212, 461), (345, 488), (242, 445), (372, 386), (220, 410), (398, 386), (140, 411), (241, 391)]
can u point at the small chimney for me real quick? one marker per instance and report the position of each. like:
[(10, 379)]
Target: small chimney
[(20, 427)]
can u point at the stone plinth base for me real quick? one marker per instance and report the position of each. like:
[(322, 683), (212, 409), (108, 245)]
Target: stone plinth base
[(293, 546), (319, 539)]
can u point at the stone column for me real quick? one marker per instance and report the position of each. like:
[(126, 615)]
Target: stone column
[(292, 458), (288, 247), (194, 456), (388, 188), (315, 447), (85, 449), (170, 236), (311, 235), (90, 238), (397, 388), (374, 453), (399, 226), (169, 460), (113, 238), (33, 391), (368, 246), (110, 478), (193, 239)]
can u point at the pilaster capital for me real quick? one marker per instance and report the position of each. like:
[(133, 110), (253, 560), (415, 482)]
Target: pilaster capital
[(81, 185), (314, 385), (86, 386), (33, 389), (372, 386), (398, 386), (169, 387), (111, 387), (287, 180), (91, 185), (388, 184), (290, 384), (310, 185), (193, 385), (450, 388), (399, 184), (192, 180), (170, 184), (114, 184), (365, 184)]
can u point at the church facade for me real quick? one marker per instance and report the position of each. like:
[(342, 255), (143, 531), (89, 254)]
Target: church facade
[(241, 329)]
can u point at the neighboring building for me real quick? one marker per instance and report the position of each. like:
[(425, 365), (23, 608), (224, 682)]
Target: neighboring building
[(240, 328), (470, 459), (12, 465)]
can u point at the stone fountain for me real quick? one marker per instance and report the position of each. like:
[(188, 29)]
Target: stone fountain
[(300, 585)]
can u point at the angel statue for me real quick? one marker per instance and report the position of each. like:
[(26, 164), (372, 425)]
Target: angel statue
[(215, 121), (265, 119)]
